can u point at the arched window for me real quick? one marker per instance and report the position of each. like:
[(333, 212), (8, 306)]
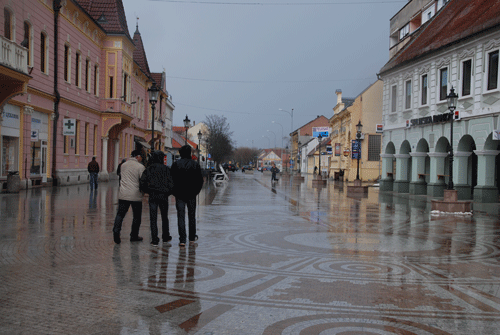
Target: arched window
[(27, 42)]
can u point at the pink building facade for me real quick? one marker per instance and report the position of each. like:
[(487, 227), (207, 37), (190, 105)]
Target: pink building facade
[(83, 93)]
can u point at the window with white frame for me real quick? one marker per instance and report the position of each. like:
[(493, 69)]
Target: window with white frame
[(424, 86), (8, 26), (408, 94), (78, 69), (403, 32), (466, 77), (96, 80), (394, 91), (67, 60), (28, 42), (443, 83), (44, 53), (492, 83), (87, 75)]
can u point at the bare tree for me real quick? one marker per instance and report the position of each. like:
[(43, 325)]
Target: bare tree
[(245, 155), (219, 138)]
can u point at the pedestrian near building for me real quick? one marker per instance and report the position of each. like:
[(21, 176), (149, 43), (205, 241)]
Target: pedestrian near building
[(157, 182), (274, 171), (188, 181), (130, 195), (93, 169)]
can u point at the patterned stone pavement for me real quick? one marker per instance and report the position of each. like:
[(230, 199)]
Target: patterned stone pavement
[(289, 259)]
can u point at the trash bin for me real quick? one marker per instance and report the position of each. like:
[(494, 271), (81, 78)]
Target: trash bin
[(13, 182)]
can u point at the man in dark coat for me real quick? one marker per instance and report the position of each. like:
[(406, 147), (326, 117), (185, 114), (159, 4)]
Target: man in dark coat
[(188, 181), (93, 169), (157, 181)]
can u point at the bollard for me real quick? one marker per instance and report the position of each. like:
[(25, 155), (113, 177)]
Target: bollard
[(13, 182)]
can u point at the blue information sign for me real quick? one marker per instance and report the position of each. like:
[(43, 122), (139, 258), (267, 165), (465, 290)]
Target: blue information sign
[(356, 149)]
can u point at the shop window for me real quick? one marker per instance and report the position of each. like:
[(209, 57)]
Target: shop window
[(9, 154), (36, 157), (77, 138), (87, 129)]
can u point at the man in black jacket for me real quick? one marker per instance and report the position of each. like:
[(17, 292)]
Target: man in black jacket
[(188, 181), (157, 181)]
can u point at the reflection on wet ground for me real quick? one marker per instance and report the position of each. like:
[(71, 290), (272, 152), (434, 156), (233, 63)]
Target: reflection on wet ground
[(287, 258)]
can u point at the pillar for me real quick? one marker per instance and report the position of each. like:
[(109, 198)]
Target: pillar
[(116, 154), (104, 176), (436, 185), (461, 178), (486, 190), (401, 182), (418, 183), (387, 178)]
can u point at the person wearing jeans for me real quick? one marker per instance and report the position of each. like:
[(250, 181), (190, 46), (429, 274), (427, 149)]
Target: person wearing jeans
[(188, 181), (130, 195), (93, 169), (157, 182)]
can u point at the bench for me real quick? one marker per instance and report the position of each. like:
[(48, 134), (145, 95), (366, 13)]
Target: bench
[(441, 176), (422, 175)]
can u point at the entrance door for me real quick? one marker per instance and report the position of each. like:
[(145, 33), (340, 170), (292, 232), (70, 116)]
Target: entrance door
[(44, 162)]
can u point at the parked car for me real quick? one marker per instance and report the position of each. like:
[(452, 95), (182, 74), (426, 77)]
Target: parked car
[(229, 167), (246, 167)]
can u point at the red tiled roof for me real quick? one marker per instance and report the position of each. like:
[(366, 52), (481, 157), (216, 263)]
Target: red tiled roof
[(109, 14), (158, 78), (140, 54), (457, 21)]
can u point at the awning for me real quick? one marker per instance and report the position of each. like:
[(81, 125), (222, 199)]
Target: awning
[(144, 144)]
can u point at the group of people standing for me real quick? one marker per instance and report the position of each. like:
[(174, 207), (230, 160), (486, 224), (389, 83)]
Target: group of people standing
[(183, 180)]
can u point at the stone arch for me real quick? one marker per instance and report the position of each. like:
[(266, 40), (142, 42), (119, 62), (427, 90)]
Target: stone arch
[(442, 145), (390, 148), (405, 147)]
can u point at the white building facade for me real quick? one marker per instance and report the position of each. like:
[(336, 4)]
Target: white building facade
[(417, 80)]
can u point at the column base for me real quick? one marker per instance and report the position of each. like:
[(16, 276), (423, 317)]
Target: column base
[(436, 189), (401, 186), (486, 194), (418, 187), (386, 184), (464, 191)]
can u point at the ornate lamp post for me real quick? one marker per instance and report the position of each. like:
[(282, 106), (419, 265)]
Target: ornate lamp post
[(359, 127), (199, 144), (452, 105), (187, 123), (153, 92)]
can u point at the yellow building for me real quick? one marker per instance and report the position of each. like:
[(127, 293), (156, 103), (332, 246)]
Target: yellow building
[(367, 109)]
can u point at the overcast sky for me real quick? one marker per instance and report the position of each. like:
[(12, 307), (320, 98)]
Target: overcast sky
[(247, 59)]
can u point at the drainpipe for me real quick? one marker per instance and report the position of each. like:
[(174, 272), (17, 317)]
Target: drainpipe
[(57, 7)]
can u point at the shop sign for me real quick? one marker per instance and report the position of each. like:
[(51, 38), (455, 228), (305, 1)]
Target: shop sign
[(429, 119), (337, 149), (380, 128), (356, 149), (34, 135), (69, 127), (496, 134)]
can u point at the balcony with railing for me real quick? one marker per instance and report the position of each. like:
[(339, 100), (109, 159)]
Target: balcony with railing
[(14, 56)]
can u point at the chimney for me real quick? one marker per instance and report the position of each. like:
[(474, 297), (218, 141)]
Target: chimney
[(339, 96)]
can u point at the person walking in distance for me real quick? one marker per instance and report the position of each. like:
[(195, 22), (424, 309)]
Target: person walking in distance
[(188, 181), (274, 171), (157, 181), (93, 169), (130, 195)]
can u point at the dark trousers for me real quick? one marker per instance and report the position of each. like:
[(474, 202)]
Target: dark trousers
[(154, 203), (93, 180), (123, 206), (180, 205)]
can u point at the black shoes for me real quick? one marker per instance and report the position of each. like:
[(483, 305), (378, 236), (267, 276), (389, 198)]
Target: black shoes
[(136, 239), (155, 242), (168, 239), (193, 241), (116, 238)]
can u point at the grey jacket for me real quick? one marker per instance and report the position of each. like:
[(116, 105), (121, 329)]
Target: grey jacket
[(131, 172)]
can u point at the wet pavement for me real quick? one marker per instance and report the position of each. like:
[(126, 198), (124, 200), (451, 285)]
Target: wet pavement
[(288, 259)]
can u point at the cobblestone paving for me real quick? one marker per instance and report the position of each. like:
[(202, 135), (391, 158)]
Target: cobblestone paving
[(288, 259)]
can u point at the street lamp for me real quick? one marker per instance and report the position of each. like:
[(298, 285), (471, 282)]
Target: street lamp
[(319, 169), (452, 105), (199, 144), (274, 137), (153, 92), (187, 123), (359, 127), (281, 148), (291, 128), (298, 156)]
